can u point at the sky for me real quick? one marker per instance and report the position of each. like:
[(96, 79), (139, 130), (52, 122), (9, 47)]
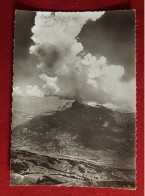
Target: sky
[(88, 56)]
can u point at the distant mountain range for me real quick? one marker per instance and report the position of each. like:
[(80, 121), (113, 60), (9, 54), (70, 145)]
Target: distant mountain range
[(82, 133)]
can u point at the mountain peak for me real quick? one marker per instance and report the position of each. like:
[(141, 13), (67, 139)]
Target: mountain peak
[(77, 104), (81, 104)]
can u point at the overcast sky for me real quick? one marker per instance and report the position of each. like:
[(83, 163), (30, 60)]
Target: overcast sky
[(110, 35)]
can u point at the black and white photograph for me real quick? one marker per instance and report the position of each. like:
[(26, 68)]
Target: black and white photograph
[(74, 99)]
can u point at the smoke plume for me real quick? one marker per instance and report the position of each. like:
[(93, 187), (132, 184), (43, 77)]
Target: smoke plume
[(65, 68)]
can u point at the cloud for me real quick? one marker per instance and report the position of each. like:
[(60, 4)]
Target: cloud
[(70, 73), (28, 91), (50, 85), (17, 90), (33, 91)]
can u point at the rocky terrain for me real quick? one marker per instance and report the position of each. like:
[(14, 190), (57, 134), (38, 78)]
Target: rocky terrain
[(79, 145), (34, 169)]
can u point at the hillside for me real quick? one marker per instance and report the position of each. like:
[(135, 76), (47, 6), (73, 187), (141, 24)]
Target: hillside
[(81, 132), (33, 169)]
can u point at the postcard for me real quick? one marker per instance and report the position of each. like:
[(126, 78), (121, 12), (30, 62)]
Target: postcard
[(74, 99)]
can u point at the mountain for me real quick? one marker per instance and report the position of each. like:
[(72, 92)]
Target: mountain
[(82, 133), (25, 107)]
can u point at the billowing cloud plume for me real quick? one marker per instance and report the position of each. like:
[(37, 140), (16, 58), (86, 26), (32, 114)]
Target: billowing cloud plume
[(67, 71), (51, 84)]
